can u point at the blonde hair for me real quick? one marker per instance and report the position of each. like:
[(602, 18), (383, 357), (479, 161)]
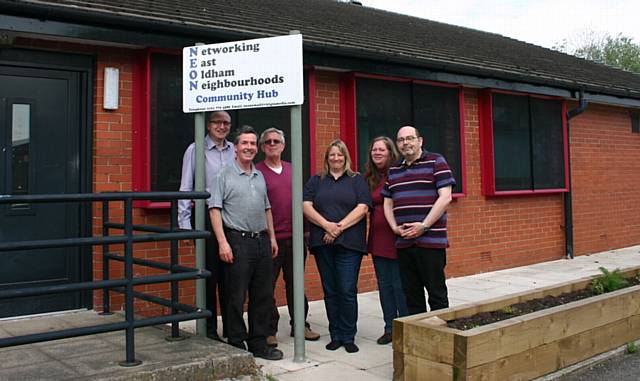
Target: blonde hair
[(347, 158)]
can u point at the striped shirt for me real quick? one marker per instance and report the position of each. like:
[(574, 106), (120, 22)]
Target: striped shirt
[(414, 189)]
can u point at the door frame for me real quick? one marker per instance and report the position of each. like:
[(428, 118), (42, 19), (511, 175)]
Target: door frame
[(84, 65)]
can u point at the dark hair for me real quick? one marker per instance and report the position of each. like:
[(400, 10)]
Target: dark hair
[(371, 171), (246, 129)]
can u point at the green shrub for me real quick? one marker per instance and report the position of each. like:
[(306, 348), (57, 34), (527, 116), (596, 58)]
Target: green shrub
[(608, 281), (507, 310), (631, 347)]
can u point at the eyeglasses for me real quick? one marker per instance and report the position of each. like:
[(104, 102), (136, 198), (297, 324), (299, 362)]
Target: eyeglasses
[(272, 142), (408, 139), (218, 122)]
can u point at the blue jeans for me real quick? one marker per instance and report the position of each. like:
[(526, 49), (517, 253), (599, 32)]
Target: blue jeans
[(392, 297), (339, 269)]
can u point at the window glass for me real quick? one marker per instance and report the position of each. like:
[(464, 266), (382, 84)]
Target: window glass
[(511, 142), (382, 107), (20, 131), (528, 143), (171, 130), (437, 116), (547, 144), (385, 106)]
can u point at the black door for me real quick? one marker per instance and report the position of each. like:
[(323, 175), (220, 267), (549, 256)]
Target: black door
[(40, 143)]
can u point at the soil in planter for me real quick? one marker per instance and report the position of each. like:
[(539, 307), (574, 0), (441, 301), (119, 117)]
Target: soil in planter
[(518, 309)]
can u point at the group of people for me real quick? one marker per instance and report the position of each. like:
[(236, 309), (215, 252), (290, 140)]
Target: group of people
[(250, 214)]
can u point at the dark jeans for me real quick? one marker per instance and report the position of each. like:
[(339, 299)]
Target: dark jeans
[(392, 299), (251, 271), (422, 268), (339, 269), (215, 283), (284, 261)]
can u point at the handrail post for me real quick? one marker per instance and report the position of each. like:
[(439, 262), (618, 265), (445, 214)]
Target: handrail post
[(128, 274), (106, 304), (175, 296)]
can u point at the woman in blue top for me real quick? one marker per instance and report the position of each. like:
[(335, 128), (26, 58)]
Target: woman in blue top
[(336, 202)]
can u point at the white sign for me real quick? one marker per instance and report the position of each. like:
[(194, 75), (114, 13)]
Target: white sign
[(264, 72)]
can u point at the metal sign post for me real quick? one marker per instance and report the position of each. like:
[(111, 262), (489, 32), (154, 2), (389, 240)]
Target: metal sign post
[(298, 232)]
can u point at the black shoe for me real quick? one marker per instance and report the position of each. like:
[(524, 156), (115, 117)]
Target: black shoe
[(238, 345), (214, 336), (269, 353), (351, 347), (385, 339), (333, 345)]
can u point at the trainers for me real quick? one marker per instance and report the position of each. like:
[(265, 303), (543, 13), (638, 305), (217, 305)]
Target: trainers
[(351, 347), (272, 341), (269, 353), (386, 338), (308, 334)]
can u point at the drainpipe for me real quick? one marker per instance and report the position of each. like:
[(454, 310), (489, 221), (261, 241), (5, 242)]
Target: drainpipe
[(568, 210)]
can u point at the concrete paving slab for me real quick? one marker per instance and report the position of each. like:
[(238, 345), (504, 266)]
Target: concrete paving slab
[(12, 358), (47, 371), (369, 356), (332, 371), (287, 364), (77, 347), (384, 371)]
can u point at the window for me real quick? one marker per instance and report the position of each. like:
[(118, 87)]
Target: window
[(523, 143), (383, 106), (163, 131)]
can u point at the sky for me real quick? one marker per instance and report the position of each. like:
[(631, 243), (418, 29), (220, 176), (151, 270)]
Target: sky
[(541, 22)]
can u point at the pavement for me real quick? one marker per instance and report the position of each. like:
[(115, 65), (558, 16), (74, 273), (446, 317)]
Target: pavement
[(375, 362), (69, 360)]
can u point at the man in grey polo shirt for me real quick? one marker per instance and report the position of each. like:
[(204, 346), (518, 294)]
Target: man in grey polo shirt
[(241, 218)]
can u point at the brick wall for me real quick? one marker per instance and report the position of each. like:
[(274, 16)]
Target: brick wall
[(605, 160), (486, 234)]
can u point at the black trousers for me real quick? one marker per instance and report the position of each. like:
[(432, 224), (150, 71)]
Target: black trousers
[(422, 268), (284, 262), (250, 272), (215, 283)]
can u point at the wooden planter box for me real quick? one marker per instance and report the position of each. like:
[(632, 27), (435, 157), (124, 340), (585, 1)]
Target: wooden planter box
[(520, 348)]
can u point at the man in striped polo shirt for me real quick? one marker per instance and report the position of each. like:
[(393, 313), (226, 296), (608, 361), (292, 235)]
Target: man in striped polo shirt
[(417, 193)]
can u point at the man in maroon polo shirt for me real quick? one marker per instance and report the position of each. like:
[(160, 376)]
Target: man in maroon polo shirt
[(277, 175), (417, 194)]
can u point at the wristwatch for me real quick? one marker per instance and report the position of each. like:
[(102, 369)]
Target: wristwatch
[(424, 227)]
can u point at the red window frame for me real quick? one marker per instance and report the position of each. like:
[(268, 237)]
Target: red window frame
[(349, 119), (487, 162), (142, 126)]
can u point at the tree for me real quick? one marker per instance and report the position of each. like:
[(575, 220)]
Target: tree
[(619, 51)]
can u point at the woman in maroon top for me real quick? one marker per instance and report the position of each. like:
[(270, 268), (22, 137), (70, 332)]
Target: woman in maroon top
[(382, 153)]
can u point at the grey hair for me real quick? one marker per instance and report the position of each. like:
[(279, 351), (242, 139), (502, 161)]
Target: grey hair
[(263, 135)]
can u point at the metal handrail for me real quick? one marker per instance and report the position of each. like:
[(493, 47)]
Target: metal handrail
[(179, 312)]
